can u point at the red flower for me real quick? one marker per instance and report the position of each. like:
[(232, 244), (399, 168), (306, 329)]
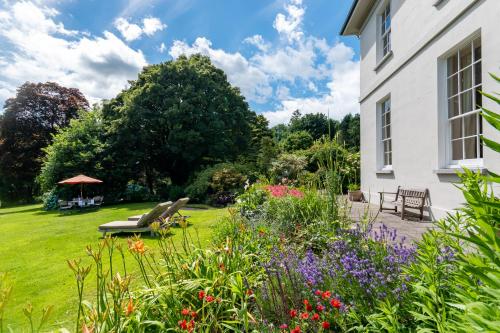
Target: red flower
[(336, 303), (293, 313), (249, 292), (320, 308), (193, 314), (304, 315), (296, 330), (201, 294), (306, 302), (326, 295), (325, 325), (309, 307), (185, 312), (315, 316), (283, 326), (183, 324), (209, 298), (190, 325), (317, 292)]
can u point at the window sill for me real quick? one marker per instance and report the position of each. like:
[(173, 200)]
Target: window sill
[(383, 61), (384, 172), (453, 171)]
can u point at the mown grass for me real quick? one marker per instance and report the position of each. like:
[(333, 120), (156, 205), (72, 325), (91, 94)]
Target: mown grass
[(34, 247)]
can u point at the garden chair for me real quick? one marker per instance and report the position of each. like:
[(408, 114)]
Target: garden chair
[(405, 198), (64, 205), (142, 224)]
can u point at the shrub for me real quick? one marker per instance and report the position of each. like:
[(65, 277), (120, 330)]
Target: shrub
[(297, 141), (50, 200), (288, 167), (136, 192), (218, 184)]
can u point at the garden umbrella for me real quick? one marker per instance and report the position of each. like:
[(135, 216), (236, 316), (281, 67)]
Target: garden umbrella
[(80, 179)]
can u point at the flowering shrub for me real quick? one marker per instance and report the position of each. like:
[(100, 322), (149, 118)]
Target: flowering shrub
[(279, 191), (356, 270)]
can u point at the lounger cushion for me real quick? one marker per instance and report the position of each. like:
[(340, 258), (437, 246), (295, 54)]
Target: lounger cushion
[(175, 208), (135, 217), (155, 213), (119, 225)]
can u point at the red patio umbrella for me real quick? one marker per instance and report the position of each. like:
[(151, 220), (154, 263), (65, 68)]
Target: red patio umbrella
[(80, 179)]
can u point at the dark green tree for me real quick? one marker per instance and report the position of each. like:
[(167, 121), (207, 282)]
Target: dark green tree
[(177, 117), (298, 141), (81, 148), (269, 151), (350, 131), (30, 119), (316, 124)]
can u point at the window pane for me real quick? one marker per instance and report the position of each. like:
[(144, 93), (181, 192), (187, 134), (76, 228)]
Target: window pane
[(452, 64), (453, 107), (387, 159), (470, 125), (386, 146), (466, 79), (388, 132), (456, 128), (465, 56), (466, 101), (477, 49), (388, 118), (456, 150), (453, 85), (479, 98), (390, 158), (477, 73), (384, 135), (470, 148)]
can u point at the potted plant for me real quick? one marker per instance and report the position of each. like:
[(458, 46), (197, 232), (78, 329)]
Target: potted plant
[(354, 192)]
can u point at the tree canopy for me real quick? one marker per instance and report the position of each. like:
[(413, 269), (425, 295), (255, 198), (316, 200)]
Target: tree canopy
[(30, 119)]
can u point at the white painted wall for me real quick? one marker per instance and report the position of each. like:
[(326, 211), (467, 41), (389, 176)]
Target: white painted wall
[(413, 77)]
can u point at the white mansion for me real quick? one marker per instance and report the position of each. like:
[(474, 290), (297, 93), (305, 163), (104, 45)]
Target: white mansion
[(422, 65)]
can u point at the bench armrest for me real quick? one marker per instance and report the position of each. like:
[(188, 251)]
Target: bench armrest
[(381, 192), (411, 196)]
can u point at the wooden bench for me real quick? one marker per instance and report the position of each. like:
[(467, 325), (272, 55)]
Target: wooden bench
[(406, 198)]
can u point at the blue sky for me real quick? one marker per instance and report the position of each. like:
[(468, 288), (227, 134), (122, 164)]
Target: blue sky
[(283, 54)]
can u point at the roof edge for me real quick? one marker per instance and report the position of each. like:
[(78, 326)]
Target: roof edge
[(348, 18)]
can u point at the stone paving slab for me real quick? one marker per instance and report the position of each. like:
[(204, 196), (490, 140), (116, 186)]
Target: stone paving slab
[(411, 227)]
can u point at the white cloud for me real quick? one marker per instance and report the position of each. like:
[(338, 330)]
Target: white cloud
[(258, 42), (341, 99), (128, 30), (162, 48), (289, 25), (132, 31), (253, 83), (41, 49), (151, 25)]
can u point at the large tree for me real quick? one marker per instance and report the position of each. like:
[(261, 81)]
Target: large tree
[(30, 119), (177, 117), (316, 124)]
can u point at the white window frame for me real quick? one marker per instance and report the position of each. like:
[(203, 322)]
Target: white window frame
[(478, 161), (383, 125), (385, 31)]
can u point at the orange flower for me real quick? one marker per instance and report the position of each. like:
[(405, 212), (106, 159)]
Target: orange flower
[(130, 307), (185, 312), (326, 295), (137, 246), (86, 329), (304, 315)]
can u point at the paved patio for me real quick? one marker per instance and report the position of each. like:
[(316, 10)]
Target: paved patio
[(411, 227)]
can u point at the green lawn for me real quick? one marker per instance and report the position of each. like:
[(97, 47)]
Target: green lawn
[(35, 245)]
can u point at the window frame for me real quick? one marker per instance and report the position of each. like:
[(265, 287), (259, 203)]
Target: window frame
[(458, 93), (385, 31), (383, 111)]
